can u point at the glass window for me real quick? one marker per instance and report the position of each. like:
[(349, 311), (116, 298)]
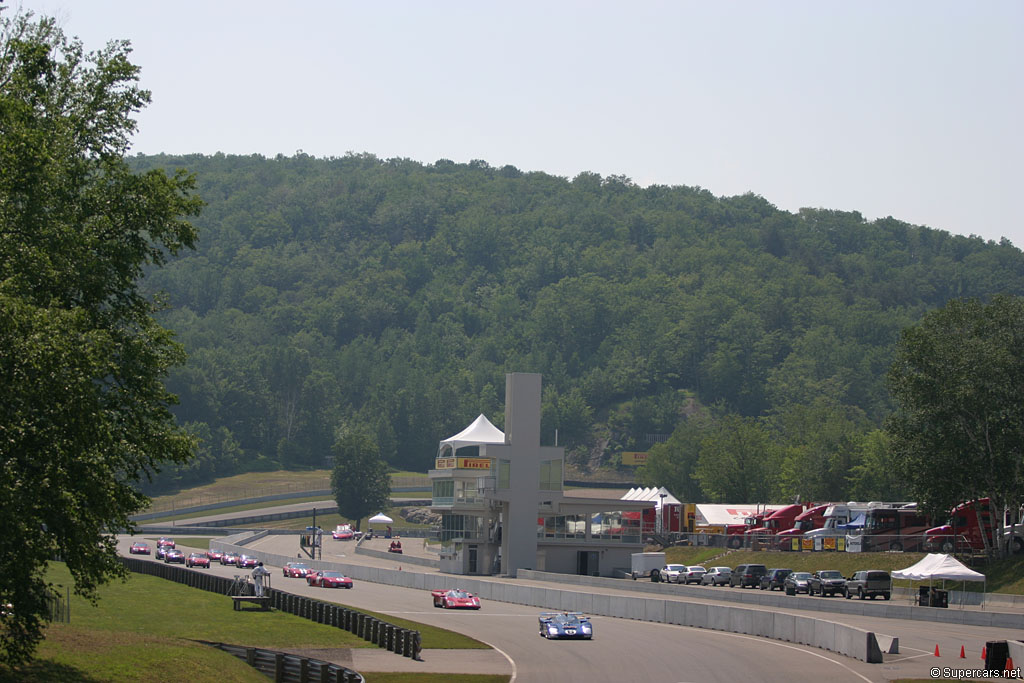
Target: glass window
[(443, 491), (504, 473), (551, 475)]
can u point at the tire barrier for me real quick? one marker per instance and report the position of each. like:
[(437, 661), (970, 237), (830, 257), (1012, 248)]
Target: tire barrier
[(358, 623), (285, 667)]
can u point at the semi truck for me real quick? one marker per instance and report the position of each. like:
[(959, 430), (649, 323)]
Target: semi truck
[(963, 532), (778, 521), (808, 520)]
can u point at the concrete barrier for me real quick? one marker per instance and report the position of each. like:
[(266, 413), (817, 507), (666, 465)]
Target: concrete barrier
[(839, 638)]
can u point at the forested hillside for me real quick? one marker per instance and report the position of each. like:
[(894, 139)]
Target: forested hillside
[(398, 294)]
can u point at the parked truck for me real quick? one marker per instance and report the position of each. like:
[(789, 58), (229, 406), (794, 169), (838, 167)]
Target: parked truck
[(778, 521), (643, 564), (808, 520), (963, 533)]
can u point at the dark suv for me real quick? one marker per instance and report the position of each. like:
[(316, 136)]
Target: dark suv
[(774, 578), (826, 582), (747, 575), (869, 582)]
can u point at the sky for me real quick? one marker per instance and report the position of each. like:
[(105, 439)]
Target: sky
[(911, 109)]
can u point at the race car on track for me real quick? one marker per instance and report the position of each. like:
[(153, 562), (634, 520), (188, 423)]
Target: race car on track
[(139, 548), (296, 570), (215, 555), (197, 560), (328, 579), (163, 541), (172, 555), (161, 551), (229, 557), (343, 532), (565, 625), (455, 598), (246, 561)]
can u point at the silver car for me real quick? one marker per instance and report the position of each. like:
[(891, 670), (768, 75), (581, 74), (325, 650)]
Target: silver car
[(693, 574), (716, 576), (672, 573)]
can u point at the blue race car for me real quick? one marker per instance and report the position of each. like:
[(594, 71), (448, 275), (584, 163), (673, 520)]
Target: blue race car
[(565, 625)]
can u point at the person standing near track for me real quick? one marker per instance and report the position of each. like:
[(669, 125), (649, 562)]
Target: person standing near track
[(258, 575)]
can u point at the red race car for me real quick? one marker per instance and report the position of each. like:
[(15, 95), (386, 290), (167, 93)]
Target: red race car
[(455, 598), (172, 555), (139, 548), (246, 561), (343, 532), (328, 580), (296, 570), (197, 560), (165, 542), (215, 555), (229, 558)]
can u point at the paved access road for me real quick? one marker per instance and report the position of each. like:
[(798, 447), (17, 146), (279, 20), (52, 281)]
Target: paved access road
[(622, 650)]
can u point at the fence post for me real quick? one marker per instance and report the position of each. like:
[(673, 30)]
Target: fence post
[(416, 645), (279, 667), (250, 656)]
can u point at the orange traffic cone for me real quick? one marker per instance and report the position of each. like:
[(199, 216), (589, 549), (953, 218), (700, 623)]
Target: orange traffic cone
[(984, 652), (1009, 664), (962, 654), (937, 650)]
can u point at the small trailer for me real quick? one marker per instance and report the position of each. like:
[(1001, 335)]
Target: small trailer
[(646, 564)]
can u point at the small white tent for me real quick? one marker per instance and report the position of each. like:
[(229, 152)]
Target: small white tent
[(940, 566), (480, 432)]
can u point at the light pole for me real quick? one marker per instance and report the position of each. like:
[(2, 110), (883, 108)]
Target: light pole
[(661, 514)]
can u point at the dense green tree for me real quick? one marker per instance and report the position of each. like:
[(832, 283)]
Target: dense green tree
[(359, 479), (958, 381), (83, 411), (738, 462), (673, 463)]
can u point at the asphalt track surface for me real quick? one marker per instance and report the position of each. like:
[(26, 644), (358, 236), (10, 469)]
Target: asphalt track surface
[(622, 649)]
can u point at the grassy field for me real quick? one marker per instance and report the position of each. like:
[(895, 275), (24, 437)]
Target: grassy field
[(1004, 576), (142, 624)]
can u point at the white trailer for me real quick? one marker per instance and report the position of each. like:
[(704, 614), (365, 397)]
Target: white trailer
[(645, 563)]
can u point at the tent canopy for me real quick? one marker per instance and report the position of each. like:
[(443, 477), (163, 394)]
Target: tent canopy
[(938, 566), (380, 518), (855, 523), (479, 433)]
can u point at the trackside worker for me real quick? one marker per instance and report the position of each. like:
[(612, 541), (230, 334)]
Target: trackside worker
[(257, 575)]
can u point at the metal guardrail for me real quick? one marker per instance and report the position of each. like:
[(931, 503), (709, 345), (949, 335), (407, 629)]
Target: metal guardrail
[(403, 641), (288, 667)]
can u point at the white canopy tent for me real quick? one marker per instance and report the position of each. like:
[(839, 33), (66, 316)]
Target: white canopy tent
[(940, 566), (481, 431), (380, 518)]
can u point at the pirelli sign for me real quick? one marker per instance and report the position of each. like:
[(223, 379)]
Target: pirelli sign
[(462, 463)]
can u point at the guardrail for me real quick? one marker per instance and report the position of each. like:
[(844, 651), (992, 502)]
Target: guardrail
[(288, 667), (403, 641)]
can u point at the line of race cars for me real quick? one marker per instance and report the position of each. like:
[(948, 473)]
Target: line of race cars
[(864, 584), (557, 625)]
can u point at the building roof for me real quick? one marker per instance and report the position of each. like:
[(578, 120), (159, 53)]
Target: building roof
[(651, 494)]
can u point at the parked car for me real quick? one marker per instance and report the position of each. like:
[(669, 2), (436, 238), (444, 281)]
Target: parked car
[(296, 570), (139, 548), (328, 579), (343, 532), (796, 582), (455, 598), (565, 625), (197, 560), (693, 574), (671, 572), (774, 579), (172, 555), (826, 582), (747, 575), (716, 576), (870, 582)]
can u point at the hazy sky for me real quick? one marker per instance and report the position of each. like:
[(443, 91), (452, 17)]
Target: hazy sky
[(912, 109)]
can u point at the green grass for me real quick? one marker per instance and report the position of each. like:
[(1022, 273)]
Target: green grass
[(142, 624), (331, 520)]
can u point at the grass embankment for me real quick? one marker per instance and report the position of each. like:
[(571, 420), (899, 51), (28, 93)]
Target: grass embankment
[(142, 630), (1004, 575)]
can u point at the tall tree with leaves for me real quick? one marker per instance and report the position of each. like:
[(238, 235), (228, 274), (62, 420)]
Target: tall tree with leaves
[(83, 409), (958, 381), (359, 480)]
